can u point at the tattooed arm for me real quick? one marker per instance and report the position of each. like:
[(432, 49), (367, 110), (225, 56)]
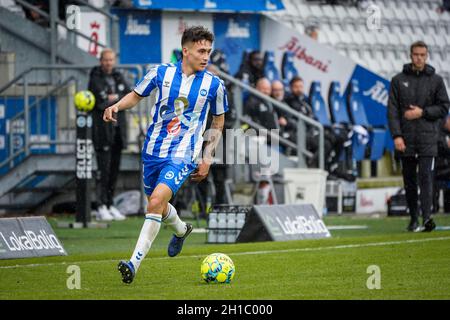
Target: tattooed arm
[(212, 137)]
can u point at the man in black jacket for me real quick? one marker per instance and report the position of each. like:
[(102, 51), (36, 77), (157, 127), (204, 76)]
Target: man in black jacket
[(252, 70), (417, 104), (333, 142), (109, 86), (260, 111)]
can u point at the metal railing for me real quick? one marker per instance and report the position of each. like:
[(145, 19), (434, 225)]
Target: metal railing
[(54, 21), (238, 89), (22, 82)]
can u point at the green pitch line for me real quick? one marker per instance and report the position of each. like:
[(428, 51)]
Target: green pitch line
[(412, 266)]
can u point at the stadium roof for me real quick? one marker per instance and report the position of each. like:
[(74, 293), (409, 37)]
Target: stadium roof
[(211, 5)]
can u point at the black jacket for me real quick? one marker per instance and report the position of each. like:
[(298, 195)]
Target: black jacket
[(103, 133), (250, 74), (261, 112), (425, 89), (300, 104)]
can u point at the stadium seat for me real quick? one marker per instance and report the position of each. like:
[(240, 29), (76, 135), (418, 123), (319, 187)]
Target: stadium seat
[(341, 13), (177, 55), (377, 136), (303, 11), (403, 22), (332, 37), (358, 38), (337, 104), (318, 105), (289, 7), (389, 143), (245, 57), (298, 25), (270, 70), (288, 69), (329, 13), (316, 11)]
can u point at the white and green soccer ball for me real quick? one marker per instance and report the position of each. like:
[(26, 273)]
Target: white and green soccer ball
[(217, 268)]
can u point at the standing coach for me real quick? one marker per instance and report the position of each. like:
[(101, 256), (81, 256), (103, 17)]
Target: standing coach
[(417, 104), (109, 86)]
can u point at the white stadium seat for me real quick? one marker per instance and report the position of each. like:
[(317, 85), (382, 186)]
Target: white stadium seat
[(402, 22)]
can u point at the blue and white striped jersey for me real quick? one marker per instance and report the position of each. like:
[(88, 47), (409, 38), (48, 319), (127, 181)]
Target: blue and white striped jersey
[(180, 109)]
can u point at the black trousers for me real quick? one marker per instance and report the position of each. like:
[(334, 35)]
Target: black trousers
[(333, 145), (418, 172), (108, 166)]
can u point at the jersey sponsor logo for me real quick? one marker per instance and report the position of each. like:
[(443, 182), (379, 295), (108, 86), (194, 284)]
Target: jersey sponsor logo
[(203, 92), (176, 115), (174, 127)]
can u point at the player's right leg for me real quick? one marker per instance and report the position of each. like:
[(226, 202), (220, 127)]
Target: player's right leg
[(157, 202)]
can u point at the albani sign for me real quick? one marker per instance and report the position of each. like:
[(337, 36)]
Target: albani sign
[(28, 237)]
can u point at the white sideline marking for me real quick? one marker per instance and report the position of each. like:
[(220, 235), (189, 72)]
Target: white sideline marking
[(347, 227), (346, 246), (199, 230)]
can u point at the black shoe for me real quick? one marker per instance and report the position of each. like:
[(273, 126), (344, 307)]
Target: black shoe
[(344, 175), (429, 225), (413, 226), (127, 271)]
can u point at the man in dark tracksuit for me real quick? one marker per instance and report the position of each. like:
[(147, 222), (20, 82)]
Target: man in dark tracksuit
[(109, 86), (417, 104)]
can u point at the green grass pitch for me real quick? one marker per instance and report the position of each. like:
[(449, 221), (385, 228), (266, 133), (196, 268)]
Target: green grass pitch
[(411, 265)]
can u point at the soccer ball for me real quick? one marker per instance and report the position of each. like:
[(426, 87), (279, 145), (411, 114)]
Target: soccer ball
[(218, 268), (84, 100)]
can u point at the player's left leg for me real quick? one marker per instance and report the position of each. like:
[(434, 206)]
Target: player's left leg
[(174, 175)]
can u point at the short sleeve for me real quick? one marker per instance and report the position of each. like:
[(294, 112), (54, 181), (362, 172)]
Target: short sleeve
[(148, 83), (219, 104)]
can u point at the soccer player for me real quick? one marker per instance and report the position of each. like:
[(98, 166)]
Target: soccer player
[(183, 94)]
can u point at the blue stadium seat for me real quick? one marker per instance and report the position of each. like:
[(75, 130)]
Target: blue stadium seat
[(288, 69), (358, 116), (245, 58), (355, 105), (359, 143), (318, 104), (270, 70), (337, 104), (377, 143), (177, 55), (389, 143)]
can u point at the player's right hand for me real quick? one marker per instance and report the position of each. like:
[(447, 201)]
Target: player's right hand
[(110, 114)]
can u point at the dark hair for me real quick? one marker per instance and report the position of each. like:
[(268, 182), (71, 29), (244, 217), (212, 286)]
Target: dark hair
[(196, 34), (420, 44), (295, 79), (253, 54)]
